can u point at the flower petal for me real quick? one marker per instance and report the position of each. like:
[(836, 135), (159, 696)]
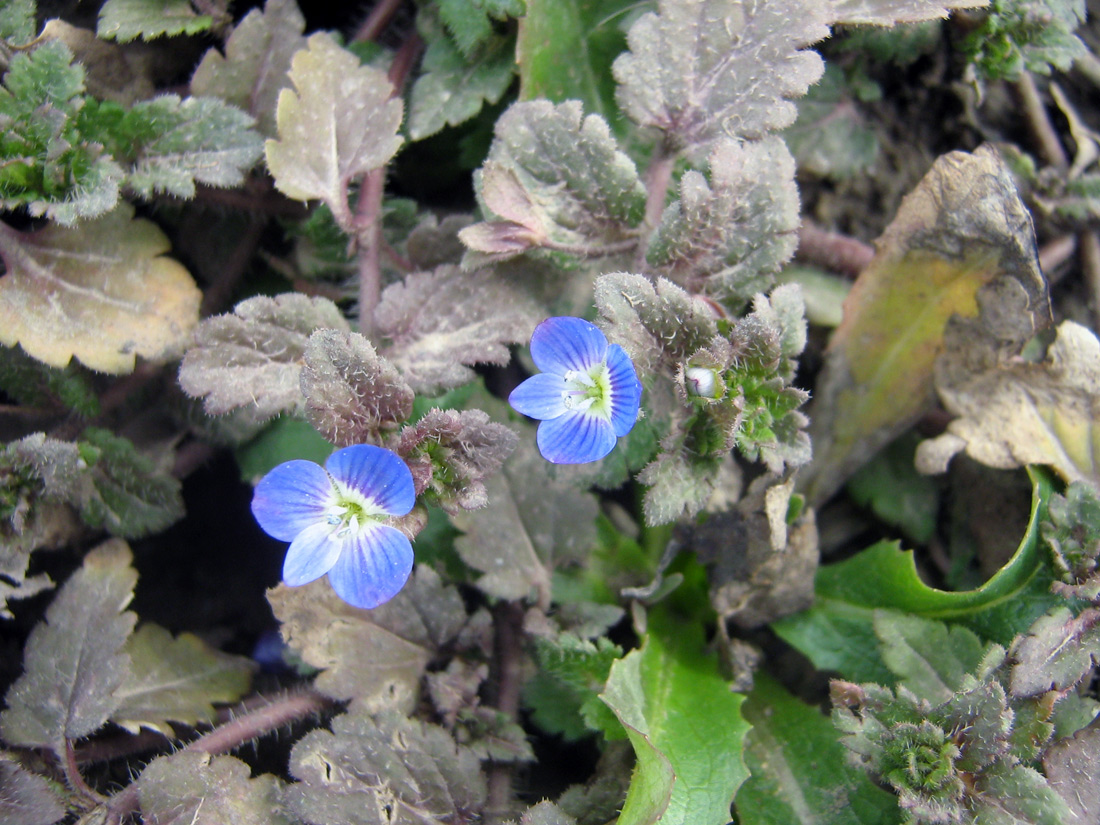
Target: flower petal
[(373, 567), (292, 497), (377, 474), (575, 438), (564, 343), (540, 396), (311, 554), (626, 390)]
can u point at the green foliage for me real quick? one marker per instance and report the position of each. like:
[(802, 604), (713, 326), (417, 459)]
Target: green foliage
[(17, 24), (1073, 535), (892, 488), (125, 20), (470, 22), (1026, 35), (564, 695)]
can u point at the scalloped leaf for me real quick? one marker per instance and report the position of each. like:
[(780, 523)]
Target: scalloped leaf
[(257, 58), (27, 798), (701, 69), (102, 292), (338, 123), (893, 12), (126, 20), (251, 359), (1057, 652), (74, 660)]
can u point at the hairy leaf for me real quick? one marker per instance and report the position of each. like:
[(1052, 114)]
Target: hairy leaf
[(962, 244), (665, 695), (374, 657), (799, 771), (252, 358), (17, 23), (699, 69), (176, 680), (103, 293), (1019, 413), (74, 660), (546, 813), (1056, 653), (27, 798), (829, 138), (1072, 767), (384, 770), (893, 12), (930, 658), (200, 789), (125, 20), (352, 394), (257, 59), (441, 323), (731, 231), (564, 693), (561, 177), (338, 123), (34, 384)]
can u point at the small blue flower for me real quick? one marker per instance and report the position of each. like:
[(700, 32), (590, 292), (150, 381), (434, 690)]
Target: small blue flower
[(334, 518), (586, 396)]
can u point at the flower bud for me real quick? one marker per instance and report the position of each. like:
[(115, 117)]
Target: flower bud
[(703, 382)]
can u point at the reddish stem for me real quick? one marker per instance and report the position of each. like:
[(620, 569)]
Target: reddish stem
[(508, 624), (376, 22), (833, 251)]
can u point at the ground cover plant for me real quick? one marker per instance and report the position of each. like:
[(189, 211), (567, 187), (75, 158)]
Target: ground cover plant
[(496, 411)]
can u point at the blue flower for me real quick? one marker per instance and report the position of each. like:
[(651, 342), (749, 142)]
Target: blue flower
[(334, 518), (586, 396)]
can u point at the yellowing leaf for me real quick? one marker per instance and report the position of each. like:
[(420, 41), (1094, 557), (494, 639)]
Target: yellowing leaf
[(102, 292), (340, 124)]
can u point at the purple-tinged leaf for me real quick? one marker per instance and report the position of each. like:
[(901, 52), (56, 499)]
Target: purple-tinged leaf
[(1072, 767), (251, 359), (893, 12), (74, 661), (441, 323), (352, 393), (27, 798), (1056, 653)]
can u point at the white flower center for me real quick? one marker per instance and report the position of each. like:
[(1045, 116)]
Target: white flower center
[(588, 391), (350, 512)]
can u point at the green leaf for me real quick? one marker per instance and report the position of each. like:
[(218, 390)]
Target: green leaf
[(829, 138), (74, 660), (126, 20), (34, 384), (176, 680), (1072, 767), (1056, 653), (892, 488), (892, 12), (103, 292), (133, 497), (198, 788), (338, 123), (17, 23), (451, 88), (799, 771), (563, 694), (701, 69), (27, 798), (685, 726), (285, 440), (837, 633), (1026, 35), (257, 59)]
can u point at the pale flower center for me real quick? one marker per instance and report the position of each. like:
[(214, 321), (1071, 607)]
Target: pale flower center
[(588, 391), (350, 512)]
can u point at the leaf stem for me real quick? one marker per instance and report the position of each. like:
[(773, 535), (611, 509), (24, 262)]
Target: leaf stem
[(368, 221), (1042, 130), (377, 21), (73, 777), (617, 248), (831, 250), (508, 624), (658, 177)]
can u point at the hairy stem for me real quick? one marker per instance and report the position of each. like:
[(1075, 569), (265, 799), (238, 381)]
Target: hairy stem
[(368, 220), (507, 623), (73, 777), (832, 251), (657, 180), (376, 22)]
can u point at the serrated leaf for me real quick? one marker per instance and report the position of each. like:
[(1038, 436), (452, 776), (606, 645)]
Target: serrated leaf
[(546, 813), (252, 358), (172, 144), (338, 123), (374, 657), (573, 186), (17, 23), (126, 20), (800, 774), (257, 59), (893, 12), (467, 24), (961, 244), (1056, 653), (176, 680), (34, 384), (731, 231), (664, 695), (700, 69), (1014, 414), (352, 394), (384, 769), (1016, 795), (102, 293), (133, 497), (1072, 767), (837, 633), (200, 789), (74, 661), (27, 798), (563, 694), (451, 89), (441, 323)]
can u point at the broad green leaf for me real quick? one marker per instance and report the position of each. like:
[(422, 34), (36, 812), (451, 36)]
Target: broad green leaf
[(451, 88), (961, 244), (285, 440), (257, 59), (17, 23), (800, 774), (27, 798), (563, 693), (200, 789), (565, 50), (837, 633), (125, 20), (176, 680), (338, 123), (1018, 413), (685, 726), (892, 12), (470, 22), (1056, 653), (892, 488), (74, 660), (373, 657), (251, 359), (102, 292), (930, 658), (700, 69)]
